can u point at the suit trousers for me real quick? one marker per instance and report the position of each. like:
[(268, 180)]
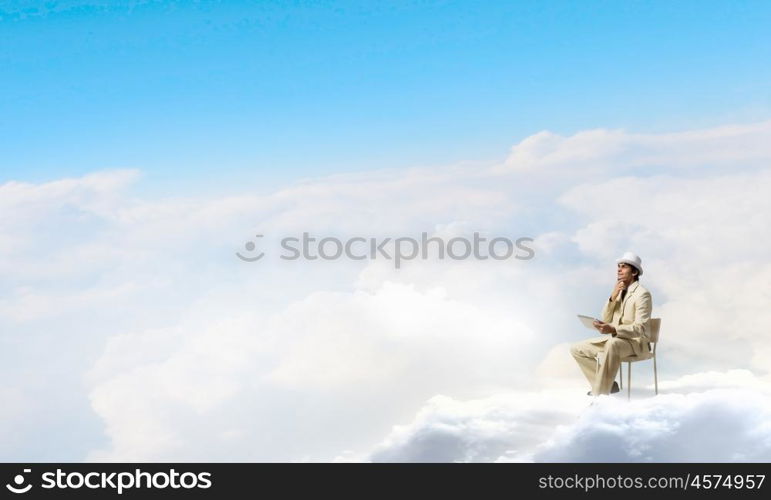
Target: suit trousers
[(609, 351)]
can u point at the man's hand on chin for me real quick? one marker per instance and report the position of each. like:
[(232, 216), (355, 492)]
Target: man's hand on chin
[(604, 327)]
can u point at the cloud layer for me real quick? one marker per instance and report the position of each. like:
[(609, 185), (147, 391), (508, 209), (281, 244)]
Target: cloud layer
[(702, 425), (165, 346)]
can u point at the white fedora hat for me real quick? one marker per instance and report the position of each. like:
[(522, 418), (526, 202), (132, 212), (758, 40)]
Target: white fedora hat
[(631, 259)]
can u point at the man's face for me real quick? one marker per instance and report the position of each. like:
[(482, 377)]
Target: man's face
[(625, 272)]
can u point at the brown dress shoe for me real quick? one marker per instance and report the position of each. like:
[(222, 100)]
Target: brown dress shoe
[(613, 389)]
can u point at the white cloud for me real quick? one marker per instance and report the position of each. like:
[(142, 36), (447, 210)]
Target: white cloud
[(603, 151), (704, 424), (447, 430), (713, 426), (346, 346)]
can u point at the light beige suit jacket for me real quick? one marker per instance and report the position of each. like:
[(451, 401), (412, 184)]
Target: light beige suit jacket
[(631, 318)]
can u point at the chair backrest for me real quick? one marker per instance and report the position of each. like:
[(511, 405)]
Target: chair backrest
[(655, 326)]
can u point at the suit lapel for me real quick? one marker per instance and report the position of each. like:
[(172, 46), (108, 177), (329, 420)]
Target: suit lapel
[(629, 293)]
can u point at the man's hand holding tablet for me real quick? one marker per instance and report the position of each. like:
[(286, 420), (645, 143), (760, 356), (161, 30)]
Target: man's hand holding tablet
[(604, 327), (596, 324)]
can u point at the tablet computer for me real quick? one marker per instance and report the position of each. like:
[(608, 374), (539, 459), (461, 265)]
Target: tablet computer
[(587, 321)]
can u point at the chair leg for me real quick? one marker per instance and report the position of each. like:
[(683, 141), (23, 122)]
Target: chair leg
[(629, 381), (621, 376), (655, 376)]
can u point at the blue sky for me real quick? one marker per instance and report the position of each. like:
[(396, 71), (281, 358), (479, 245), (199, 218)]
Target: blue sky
[(201, 95)]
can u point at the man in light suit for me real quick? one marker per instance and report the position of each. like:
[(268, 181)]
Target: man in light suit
[(625, 328)]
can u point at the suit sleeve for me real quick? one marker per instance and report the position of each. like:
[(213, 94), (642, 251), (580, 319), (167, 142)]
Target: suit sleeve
[(638, 328), (607, 310)]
